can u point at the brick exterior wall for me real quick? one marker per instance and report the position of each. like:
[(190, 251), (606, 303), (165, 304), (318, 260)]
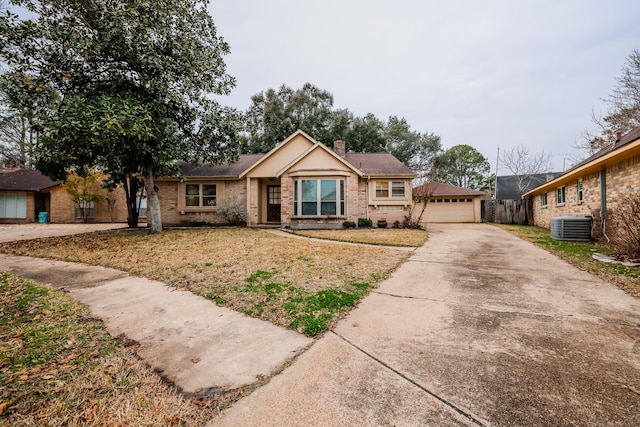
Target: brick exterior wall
[(389, 213), (621, 179), (62, 208), (233, 193)]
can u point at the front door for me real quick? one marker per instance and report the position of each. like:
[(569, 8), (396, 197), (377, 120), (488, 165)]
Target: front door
[(273, 203)]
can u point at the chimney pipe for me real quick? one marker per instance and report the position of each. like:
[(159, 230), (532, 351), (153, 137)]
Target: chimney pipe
[(618, 136)]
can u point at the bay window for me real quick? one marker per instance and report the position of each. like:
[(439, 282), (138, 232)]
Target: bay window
[(318, 197)]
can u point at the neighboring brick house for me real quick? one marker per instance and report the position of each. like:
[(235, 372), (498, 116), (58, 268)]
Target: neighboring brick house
[(112, 209), (593, 186), (24, 193), (298, 184)]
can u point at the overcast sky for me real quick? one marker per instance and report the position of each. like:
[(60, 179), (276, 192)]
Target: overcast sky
[(486, 73)]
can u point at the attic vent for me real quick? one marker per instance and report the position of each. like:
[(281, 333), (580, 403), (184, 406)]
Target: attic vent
[(575, 228)]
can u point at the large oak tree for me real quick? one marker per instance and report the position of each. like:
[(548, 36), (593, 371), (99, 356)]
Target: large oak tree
[(136, 81)]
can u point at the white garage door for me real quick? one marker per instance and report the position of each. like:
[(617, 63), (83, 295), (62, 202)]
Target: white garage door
[(449, 209)]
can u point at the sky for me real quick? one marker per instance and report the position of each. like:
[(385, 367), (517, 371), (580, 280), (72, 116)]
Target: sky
[(493, 74)]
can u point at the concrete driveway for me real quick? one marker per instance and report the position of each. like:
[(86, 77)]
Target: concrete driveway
[(477, 328), (11, 232)]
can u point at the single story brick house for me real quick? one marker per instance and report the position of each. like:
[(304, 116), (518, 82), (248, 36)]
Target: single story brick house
[(447, 203), (24, 193), (301, 183), (593, 186)]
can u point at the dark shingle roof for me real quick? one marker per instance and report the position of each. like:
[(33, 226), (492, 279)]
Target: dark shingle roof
[(441, 189), (24, 180), (232, 170), (507, 186), (378, 164), (367, 163)]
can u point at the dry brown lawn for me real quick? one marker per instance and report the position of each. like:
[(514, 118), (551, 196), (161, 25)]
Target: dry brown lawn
[(59, 367), (372, 236), (248, 270)]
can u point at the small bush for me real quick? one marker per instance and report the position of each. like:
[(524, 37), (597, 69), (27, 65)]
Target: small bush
[(365, 223), (624, 227), (234, 214), (408, 222), (349, 224)]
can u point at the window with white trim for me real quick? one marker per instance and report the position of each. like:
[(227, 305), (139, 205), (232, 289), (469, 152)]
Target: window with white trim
[(87, 206), (580, 192), (201, 195), (543, 199), (318, 197), (13, 206), (386, 189), (561, 196)]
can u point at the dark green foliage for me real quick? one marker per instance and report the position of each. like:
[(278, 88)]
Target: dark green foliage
[(274, 115), (365, 223), (464, 166), (134, 81), (349, 224)]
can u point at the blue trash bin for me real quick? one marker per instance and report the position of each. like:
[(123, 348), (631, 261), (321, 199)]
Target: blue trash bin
[(42, 217)]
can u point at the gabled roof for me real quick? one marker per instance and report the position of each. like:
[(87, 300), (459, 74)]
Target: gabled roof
[(379, 164), (363, 164), (507, 186), (278, 148), (19, 179), (441, 189), (316, 146), (626, 147)]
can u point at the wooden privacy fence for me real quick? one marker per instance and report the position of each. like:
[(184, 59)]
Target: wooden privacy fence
[(508, 211)]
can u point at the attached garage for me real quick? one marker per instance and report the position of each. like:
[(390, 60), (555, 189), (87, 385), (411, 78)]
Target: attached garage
[(438, 202)]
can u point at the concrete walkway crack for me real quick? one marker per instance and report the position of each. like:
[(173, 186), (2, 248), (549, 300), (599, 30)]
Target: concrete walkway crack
[(509, 310), (451, 405)]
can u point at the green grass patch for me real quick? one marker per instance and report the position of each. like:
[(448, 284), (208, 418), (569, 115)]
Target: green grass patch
[(260, 276), (313, 312)]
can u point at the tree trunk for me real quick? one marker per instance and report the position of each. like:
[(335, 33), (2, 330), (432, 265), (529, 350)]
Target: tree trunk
[(130, 185), (153, 203)]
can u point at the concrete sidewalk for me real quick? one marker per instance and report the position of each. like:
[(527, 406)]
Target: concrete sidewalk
[(192, 342)]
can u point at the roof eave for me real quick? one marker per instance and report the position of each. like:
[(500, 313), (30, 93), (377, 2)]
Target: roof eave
[(594, 164)]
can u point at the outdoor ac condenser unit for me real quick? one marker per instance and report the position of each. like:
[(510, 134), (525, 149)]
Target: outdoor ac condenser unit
[(574, 228)]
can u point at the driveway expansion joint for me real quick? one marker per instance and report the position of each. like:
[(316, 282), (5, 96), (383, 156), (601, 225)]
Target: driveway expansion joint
[(465, 413)]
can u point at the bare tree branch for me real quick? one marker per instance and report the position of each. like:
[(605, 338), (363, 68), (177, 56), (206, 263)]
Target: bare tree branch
[(523, 165)]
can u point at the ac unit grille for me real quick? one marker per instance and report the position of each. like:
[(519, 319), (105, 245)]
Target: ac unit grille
[(573, 228)]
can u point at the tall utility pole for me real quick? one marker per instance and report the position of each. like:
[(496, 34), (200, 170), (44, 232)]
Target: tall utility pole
[(495, 184)]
